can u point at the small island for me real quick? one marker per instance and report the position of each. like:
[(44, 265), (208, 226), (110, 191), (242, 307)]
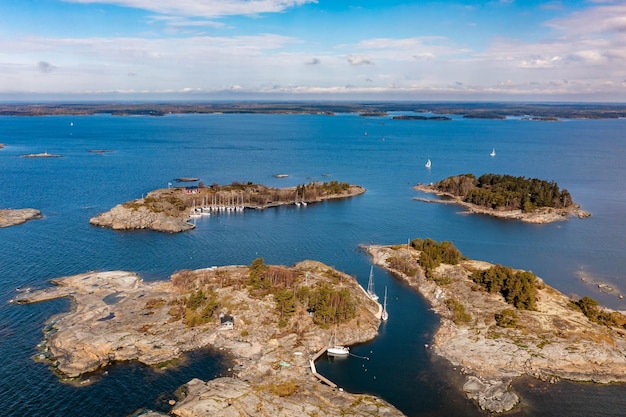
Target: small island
[(42, 155), (498, 323), (170, 209), (12, 217), (273, 321), (528, 199)]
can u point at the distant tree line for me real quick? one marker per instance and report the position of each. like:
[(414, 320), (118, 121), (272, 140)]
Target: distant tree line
[(506, 192)]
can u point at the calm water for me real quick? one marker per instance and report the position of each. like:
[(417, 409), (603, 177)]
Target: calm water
[(584, 156)]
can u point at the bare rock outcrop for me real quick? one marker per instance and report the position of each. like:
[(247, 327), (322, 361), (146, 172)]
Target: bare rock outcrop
[(554, 341), (12, 217), (122, 217), (117, 316)]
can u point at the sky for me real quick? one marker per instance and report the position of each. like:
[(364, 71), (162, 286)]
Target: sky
[(499, 50)]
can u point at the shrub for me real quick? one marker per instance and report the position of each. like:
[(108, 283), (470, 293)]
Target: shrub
[(457, 309), (507, 318)]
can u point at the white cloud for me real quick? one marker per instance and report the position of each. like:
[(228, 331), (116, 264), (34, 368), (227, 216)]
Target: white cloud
[(204, 8)]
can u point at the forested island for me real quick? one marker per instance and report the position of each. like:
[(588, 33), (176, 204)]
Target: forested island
[(170, 209), (498, 323), (528, 199)]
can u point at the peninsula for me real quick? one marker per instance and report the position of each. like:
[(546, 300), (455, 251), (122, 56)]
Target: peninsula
[(12, 217), (272, 320), (170, 209), (497, 323), (528, 199)]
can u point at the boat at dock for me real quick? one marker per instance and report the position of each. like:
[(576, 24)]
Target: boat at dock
[(384, 315), (370, 285), (335, 349)]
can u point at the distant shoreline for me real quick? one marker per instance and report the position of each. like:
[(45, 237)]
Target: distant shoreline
[(494, 111)]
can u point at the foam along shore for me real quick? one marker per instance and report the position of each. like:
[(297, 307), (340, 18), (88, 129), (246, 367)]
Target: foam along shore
[(116, 316), (554, 341), (169, 209), (539, 216), (12, 217)]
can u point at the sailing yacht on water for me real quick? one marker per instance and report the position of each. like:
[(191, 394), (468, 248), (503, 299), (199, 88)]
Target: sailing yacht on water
[(428, 164), (336, 350), (370, 285), (384, 316), (493, 152)]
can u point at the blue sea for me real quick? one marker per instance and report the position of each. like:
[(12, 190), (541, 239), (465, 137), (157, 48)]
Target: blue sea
[(385, 156)]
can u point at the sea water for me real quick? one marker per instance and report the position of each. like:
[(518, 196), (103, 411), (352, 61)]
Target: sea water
[(385, 156)]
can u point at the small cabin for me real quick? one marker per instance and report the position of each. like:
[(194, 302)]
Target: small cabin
[(227, 322)]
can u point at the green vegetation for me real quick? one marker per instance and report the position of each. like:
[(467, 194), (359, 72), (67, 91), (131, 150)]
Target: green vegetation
[(506, 192), (517, 288), (434, 254), (590, 308), (329, 305), (196, 309), (457, 309), (507, 318)]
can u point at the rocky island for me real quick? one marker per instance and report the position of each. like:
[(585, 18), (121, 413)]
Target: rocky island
[(497, 323), (42, 155), (170, 209), (272, 320), (527, 199), (12, 217)]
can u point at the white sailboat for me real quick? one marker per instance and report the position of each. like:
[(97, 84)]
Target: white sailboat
[(384, 316), (428, 164), (335, 349), (493, 152), (370, 285)]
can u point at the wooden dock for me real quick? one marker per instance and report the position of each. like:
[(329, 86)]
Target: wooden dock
[(314, 370)]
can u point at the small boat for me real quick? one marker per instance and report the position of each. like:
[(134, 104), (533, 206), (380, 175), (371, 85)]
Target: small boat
[(493, 152), (428, 164), (370, 285), (336, 350), (384, 316)]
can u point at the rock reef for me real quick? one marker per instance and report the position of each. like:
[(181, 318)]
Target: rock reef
[(117, 316), (12, 217), (554, 341)]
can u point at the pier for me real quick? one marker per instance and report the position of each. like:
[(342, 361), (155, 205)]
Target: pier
[(314, 370)]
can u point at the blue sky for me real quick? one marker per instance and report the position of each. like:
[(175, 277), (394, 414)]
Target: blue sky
[(313, 49)]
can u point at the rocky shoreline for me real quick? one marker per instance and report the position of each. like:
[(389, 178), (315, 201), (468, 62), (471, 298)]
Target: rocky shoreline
[(553, 342), (171, 209), (12, 217), (539, 216), (116, 316)]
